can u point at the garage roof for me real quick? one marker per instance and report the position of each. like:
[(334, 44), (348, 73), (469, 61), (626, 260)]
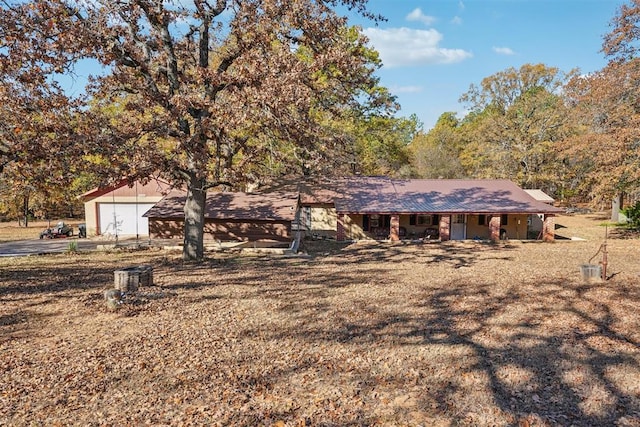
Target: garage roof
[(148, 187), (229, 205)]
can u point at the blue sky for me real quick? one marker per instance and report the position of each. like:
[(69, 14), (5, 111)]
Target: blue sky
[(433, 50)]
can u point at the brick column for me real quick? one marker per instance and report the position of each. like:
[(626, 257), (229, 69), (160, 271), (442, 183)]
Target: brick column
[(394, 232), (494, 228), (340, 231), (549, 228), (445, 227)]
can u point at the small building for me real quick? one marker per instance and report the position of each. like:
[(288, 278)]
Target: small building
[(230, 216), (118, 209), (536, 221)]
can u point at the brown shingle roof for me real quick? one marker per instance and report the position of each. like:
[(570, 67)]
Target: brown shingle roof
[(236, 206), (312, 191)]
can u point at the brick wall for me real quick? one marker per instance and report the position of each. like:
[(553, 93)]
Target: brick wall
[(549, 228), (494, 228), (445, 227), (394, 232)]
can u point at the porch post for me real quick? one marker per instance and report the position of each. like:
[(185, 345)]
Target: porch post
[(549, 228), (340, 231), (445, 227), (394, 232), (494, 228)]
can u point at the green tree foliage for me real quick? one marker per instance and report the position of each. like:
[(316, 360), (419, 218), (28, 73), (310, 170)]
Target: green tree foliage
[(517, 119), (436, 154), (381, 144), (633, 215), (209, 87)]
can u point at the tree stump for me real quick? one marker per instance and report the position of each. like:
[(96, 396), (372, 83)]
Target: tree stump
[(131, 278), (113, 298)]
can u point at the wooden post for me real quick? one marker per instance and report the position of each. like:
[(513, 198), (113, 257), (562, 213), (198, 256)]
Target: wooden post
[(340, 228)]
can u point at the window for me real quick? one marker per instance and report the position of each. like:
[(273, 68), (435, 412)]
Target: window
[(482, 220), (503, 219), (424, 220), (458, 219), (374, 221)]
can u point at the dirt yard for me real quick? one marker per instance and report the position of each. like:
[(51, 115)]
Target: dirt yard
[(10, 231), (378, 334)]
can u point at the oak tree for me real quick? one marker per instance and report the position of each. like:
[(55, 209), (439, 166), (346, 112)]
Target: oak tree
[(40, 141), (605, 155), (209, 86), (436, 154), (517, 118)]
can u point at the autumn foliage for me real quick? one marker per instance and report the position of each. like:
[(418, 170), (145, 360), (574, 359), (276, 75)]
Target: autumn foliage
[(199, 94), (234, 94), (459, 333)]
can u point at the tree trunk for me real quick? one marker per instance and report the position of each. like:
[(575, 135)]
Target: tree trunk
[(194, 208), (616, 206), (26, 210)]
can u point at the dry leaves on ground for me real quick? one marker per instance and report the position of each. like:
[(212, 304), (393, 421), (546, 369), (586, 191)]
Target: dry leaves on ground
[(456, 333)]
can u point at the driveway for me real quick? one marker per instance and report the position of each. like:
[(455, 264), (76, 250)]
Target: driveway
[(60, 245)]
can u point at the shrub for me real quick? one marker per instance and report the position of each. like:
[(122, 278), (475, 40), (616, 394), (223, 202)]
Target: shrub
[(633, 214), (72, 247)]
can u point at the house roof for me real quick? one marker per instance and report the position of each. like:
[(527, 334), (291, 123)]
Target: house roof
[(313, 191), (413, 196), (540, 196), (227, 205)]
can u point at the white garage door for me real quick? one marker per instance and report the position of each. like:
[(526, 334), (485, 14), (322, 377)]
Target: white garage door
[(124, 218)]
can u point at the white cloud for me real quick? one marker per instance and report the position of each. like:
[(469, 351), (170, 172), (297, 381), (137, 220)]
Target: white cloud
[(417, 15), (405, 46), (503, 51), (456, 20)]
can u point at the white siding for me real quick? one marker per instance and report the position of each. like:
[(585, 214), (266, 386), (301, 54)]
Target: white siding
[(127, 218)]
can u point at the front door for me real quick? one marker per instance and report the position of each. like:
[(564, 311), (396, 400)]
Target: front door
[(458, 227)]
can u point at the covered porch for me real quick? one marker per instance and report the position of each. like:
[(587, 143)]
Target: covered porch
[(442, 226)]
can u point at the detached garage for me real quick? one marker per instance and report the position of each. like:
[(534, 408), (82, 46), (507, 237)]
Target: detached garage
[(123, 218), (119, 210)]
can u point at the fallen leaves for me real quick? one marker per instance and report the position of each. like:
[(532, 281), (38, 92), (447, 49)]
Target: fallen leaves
[(325, 340)]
